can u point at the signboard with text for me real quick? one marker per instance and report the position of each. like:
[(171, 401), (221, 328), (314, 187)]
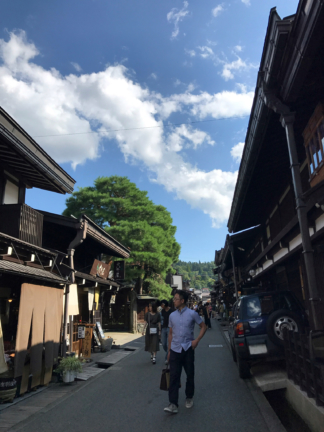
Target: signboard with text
[(100, 269), (119, 270), (81, 332), (86, 343)]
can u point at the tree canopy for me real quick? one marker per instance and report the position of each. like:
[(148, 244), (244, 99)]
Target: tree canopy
[(126, 212)]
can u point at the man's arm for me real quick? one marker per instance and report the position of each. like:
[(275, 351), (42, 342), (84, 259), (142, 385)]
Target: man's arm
[(203, 329), (169, 342)]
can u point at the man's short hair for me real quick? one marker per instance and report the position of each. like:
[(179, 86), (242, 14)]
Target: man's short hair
[(165, 302), (183, 295)]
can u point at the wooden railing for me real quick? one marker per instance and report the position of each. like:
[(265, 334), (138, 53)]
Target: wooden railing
[(22, 222), (302, 369)]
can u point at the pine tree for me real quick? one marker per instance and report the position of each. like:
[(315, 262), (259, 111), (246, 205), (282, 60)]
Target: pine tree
[(126, 212)]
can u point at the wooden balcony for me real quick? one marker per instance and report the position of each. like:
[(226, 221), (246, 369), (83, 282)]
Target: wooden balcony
[(22, 222)]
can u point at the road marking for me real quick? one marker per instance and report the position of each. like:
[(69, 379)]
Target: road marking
[(215, 346)]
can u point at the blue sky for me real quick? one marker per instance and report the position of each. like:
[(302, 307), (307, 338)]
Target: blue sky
[(178, 75)]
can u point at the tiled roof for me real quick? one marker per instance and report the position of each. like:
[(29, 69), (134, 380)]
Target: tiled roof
[(23, 270), (25, 244), (95, 279)]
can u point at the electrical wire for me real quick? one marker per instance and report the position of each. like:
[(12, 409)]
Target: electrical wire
[(144, 127)]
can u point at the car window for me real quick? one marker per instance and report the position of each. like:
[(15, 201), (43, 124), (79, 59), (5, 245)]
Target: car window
[(253, 307), (256, 306)]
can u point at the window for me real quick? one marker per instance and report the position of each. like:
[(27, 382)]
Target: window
[(11, 193), (314, 142), (256, 306)]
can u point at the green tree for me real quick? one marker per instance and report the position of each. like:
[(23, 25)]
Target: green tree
[(126, 212)]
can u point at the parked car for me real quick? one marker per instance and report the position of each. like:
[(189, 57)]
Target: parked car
[(257, 325)]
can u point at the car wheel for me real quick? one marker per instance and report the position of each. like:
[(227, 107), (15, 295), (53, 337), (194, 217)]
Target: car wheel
[(233, 354), (243, 367), (280, 320)]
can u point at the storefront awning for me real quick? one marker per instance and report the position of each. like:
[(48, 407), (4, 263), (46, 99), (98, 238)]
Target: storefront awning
[(93, 279), (31, 272)]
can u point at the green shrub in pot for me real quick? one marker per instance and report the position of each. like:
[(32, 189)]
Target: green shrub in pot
[(69, 364)]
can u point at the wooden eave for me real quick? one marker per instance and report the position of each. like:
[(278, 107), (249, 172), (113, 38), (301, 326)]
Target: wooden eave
[(94, 279), (273, 52), (94, 232), (21, 155), (305, 39)]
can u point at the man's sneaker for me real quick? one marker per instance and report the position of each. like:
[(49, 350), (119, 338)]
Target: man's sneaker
[(173, 409), (189, 403), (154, 360)]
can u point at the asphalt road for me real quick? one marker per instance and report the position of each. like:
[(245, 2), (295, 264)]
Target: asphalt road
[(127, 398)]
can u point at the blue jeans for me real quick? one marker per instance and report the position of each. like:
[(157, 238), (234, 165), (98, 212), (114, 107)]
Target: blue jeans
[(164, 338)]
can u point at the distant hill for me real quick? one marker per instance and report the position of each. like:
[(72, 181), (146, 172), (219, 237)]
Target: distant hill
[(200, 274)]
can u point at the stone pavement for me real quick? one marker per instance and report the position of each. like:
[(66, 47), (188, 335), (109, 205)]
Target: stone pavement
[(30, 403), (127, 398)]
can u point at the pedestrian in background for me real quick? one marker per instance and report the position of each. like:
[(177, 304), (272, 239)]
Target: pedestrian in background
[(207, 315), (221, 310), (181, 346), (152, 330), (165, 314)]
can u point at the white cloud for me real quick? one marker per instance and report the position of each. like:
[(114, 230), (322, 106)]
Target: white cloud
[(246, 2), (210, 42), (153, 76), (236, 65), (76, 66), (104, 104), (175, 16), (238, 48), (237, 151), (186, 136), (218, 10), (206, 52), (191, 53)]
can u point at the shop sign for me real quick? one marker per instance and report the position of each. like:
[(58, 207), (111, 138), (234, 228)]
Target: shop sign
[(119, 270), (86, 343), (81, 332), (100, 269)]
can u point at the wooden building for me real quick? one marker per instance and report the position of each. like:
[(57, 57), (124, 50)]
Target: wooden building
[(97, 297), (280, 185), (31, 286)]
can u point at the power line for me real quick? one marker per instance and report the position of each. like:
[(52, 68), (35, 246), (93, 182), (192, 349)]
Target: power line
[(145, 127)]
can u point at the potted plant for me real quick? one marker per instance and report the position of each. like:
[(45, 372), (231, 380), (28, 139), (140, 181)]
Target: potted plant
[(69, 368)]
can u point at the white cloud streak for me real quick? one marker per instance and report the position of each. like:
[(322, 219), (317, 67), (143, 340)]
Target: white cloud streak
[(76, 66), (218, 10), (175, 16), (45, 102), (246, 2), (237, 151), (237, 65)]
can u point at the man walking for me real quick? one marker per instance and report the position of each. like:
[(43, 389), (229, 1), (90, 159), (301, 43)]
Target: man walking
[(181, 349)]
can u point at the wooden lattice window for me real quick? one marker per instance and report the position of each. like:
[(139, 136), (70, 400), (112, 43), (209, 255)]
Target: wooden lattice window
[(314, 142)]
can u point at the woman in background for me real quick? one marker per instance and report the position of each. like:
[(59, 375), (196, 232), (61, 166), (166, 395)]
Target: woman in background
[(152, 331)]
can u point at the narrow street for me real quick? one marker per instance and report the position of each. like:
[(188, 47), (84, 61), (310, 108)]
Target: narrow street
[(127, 397)]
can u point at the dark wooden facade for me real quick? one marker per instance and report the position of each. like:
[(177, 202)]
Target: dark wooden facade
[(29, 276), (284, 202)]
